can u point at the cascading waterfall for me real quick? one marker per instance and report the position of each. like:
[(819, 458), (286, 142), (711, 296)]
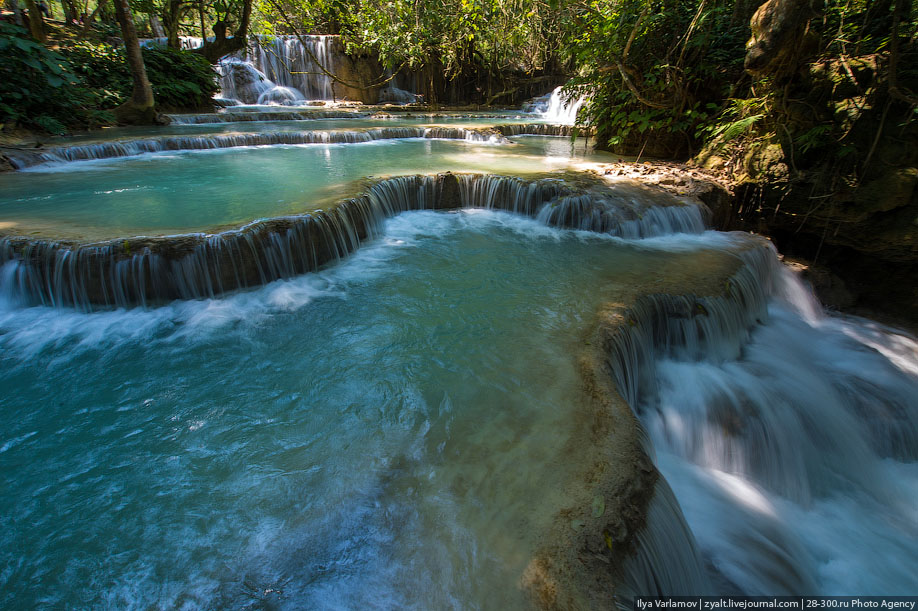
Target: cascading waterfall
[(787, 440), (185, 42), (777, 426), (286, 70), (556, 107), (813, 430), (151, 270), (238, 116), (287, 62), (242, 82), (539, 129), (128, 148), (244, 114), (667, 560), (281, 70)]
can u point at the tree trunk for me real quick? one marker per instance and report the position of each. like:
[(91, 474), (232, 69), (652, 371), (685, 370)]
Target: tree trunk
[(172, 18), (140, 108), (36, 22), (87, 23), (17, 13), (223, 46), (67, 8)]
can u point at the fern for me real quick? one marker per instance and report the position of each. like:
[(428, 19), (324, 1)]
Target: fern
[(729, 131)]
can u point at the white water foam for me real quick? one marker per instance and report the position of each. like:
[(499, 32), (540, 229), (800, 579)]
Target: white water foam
[(26, 331), (559, 108), (795, 464)]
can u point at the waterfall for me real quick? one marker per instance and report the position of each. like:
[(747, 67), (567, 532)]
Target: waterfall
[(281, 70), (185, 42), (274, 115), (786, 440), (557, 108), (667, 560), (241, 81), (129, 148), (540, 129), (243, 114), (145, 271), (788, 437), (286, 61), (273, 70)]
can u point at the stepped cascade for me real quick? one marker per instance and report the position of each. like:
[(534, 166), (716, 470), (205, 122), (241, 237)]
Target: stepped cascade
[(341, 360), (145, 270), (128, 148)]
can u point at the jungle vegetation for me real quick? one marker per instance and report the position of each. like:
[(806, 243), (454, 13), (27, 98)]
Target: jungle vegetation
[(664, 77)]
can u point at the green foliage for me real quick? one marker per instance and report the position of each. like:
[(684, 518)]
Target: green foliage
[(38, 87), (103, 70), (448, 34), (311, 17), (658, 68), (737, 119), (55, 91), (728, 131), (180, 79), (816, 137)]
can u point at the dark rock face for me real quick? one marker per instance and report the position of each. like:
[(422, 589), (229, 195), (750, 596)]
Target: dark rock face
[(361, 75), (779, 32), (861, 246), (833, 176)]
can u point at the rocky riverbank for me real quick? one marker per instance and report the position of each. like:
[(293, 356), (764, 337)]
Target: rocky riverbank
[(862, 260)]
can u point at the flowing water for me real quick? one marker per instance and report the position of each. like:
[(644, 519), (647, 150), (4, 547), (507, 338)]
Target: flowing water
[(353, 121), (386, 433), (394, 430), (794, 462), (175, 192)]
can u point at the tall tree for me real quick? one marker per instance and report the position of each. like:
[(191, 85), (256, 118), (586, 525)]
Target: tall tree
[(171, 15), (17, 12), (140, 109), (36, 21)]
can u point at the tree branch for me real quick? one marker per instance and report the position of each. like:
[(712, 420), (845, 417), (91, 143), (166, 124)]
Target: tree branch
[(634, 90)]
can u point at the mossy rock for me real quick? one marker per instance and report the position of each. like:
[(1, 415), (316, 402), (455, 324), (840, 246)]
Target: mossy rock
[(766, 160), (892, 190)]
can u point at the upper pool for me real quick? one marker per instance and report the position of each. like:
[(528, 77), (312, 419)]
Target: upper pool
[(358, 121), (190, 191)]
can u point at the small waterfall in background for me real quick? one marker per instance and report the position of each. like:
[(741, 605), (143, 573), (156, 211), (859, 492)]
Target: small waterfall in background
[(243, 83), (280, 71), (277, 70), (287, 62), (556, 107), (185, 42)]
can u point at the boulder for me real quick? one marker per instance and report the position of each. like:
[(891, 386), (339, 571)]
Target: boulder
[(779, 37)]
